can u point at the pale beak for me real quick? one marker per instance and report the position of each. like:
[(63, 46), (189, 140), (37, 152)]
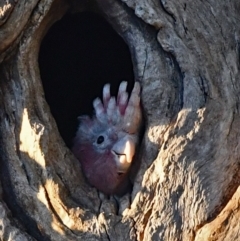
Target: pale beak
[(124, 151)]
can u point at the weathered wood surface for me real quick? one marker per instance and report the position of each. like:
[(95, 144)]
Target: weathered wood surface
[(186, 56)]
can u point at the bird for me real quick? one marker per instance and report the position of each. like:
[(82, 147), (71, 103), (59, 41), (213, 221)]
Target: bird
[(105, 144)]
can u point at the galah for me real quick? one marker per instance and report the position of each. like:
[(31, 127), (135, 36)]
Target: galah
[(106, 143)]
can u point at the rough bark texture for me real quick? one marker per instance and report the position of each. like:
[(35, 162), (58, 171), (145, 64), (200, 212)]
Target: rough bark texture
[(186, 56)]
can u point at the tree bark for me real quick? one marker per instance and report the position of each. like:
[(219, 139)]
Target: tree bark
[(186, 56)]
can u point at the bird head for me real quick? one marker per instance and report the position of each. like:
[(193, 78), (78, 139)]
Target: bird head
[(105, 144)]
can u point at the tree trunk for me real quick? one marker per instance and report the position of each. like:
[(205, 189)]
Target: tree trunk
[(186, 56)]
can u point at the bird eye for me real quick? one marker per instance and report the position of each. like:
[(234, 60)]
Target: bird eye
[(100, 140)]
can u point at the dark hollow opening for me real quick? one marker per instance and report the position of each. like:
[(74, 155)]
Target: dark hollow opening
[(79, 54)]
